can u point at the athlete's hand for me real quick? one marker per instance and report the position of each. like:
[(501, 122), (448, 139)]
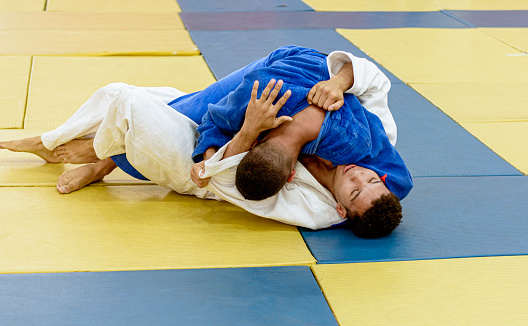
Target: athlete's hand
[(197, 170), (327, 95), (261, 113)]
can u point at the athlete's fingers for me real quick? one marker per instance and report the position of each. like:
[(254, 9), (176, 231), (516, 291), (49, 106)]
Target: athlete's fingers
[(316, 97), (311, 93), (280, 103), (329, 101), (336, 106), (275, 91), (254, 91), (267, 90)]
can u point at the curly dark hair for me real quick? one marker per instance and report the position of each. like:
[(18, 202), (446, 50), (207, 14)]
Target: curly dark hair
[(379, 220), (262, 172)]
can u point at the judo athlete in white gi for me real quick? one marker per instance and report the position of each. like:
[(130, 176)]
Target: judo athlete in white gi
[(159, 141)]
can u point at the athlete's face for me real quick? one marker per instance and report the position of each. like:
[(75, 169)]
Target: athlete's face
[(356, 188)]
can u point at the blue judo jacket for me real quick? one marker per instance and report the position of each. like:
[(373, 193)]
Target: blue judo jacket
[(350, 135)]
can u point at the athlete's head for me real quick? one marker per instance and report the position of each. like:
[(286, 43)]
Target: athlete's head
[(372, 210), (264, 171)]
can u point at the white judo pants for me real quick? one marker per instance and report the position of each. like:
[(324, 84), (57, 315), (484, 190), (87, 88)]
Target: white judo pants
[(158, 141)]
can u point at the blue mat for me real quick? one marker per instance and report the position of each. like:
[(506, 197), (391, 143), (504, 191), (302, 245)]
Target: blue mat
[(240, 296), (432, 144), (443, 218), (229, 21), (499, 18), (241, 5), (227, 51)]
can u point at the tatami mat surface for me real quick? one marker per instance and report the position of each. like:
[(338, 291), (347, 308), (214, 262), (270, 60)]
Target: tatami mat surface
[(381, 5), (233, 296), (515, 37), (22, 5), (482, 4), (419, 55), (95, 42), (136, 228), (115, 6), (14, 80), (60, 85), (508, 139), (473, 291), (49, 20), (243, 5), (486, 101), (468, 200)]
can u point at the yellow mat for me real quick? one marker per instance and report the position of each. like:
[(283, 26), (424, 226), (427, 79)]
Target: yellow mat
[(97, 42), (482, 4), (379, 5), (22, 5), (479, 102), (136, 228), (23, 169), (88, 21), (509, 140), (14, 79), (144, 6), (60, 85), (474, 291), (516, 37), (441, 55)]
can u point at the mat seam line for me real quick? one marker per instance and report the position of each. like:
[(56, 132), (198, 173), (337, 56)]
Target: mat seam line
[(450, 15), (27, 91)]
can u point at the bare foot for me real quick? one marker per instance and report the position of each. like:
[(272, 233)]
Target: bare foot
[(30, 145), (77, 151), (82, 176)]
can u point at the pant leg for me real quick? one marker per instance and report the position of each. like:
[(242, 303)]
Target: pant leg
[(158, 141), (86, 120)]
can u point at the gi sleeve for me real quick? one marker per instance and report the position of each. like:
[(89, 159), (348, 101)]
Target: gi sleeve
[(371, 87)]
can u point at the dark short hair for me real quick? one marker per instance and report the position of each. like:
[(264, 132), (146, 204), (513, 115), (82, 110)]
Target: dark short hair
[(262, 172), (379, 220)]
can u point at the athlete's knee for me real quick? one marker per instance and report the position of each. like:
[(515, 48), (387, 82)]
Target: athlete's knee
[(112, 89)]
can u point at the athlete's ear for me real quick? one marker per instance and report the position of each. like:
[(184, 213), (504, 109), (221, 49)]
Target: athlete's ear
[(292, 174), (341, 210)]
